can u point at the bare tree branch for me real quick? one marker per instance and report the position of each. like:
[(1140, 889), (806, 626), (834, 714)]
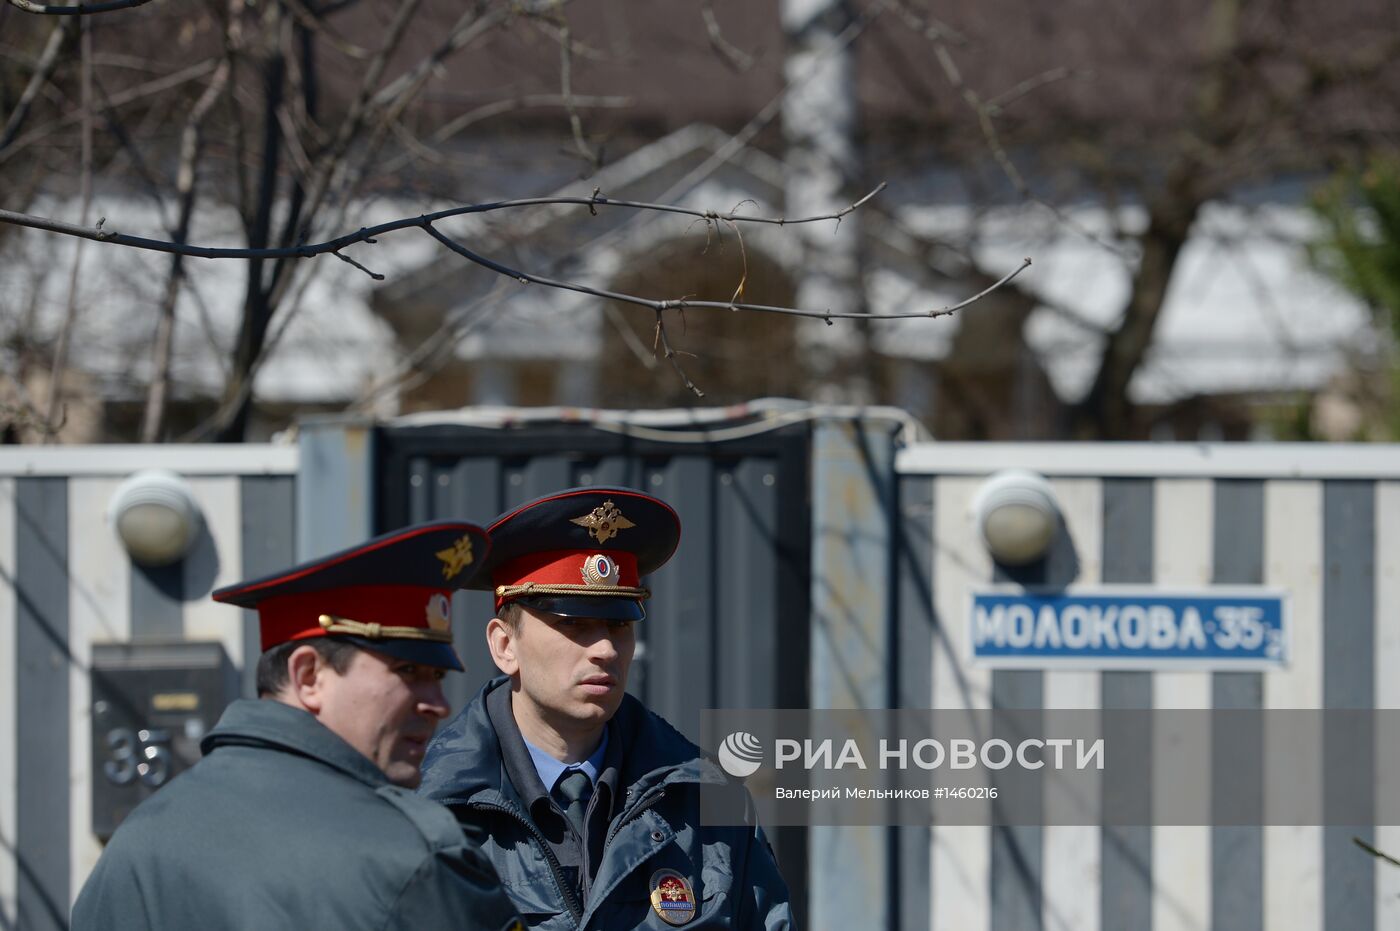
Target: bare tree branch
[(495, 108), (1374, 852), (671, 355), (985, 114), (336, 172), (1006, 98), (148, 89), (65, 333), (566, 83), (368, 234), (680, 303), (733, 56), (740, 140), (80, 9), (315, 22), (191, 144), (43, 72)]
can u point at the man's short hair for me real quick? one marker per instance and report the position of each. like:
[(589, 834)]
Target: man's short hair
[(272, 665), (510, 613)]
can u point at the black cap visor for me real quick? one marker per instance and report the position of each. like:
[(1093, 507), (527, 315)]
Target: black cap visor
[(422, 652), (602, 607)]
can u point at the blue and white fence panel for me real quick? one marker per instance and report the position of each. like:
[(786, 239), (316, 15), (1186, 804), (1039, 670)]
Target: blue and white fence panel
[(66, 583), (1289, 558)]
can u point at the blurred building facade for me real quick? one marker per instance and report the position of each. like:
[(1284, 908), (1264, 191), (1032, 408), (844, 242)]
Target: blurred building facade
[(1155, 169)]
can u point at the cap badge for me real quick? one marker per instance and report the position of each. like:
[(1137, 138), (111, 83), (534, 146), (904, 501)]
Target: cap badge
[(604, 522), (599, 570), (672, 898), (439, 612), (457, 557)]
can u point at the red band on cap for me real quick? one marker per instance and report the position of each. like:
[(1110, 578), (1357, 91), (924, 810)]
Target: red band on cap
[(298, 617), (564, 567)]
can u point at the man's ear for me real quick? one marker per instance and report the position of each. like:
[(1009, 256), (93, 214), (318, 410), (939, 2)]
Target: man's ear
[(500, 639), (305, 670)]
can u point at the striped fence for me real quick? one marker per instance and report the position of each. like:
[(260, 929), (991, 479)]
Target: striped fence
[(1321, 523), (65, 584)]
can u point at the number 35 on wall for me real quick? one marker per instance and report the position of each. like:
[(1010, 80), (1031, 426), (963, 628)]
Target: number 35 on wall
[(133, 754)]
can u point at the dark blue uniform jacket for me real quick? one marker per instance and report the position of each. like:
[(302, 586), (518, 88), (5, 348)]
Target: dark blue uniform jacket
[(655, 825)]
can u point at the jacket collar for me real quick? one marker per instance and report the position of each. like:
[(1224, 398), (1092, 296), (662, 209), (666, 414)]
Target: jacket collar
[(464, 761), (269, 723)]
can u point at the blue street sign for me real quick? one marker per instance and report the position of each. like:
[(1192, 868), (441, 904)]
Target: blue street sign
[(1130, 628)]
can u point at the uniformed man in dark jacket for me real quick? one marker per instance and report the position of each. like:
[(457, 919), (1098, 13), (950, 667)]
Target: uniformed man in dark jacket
[(301, 814), (588, 802)]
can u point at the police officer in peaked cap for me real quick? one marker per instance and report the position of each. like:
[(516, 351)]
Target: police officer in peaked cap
[(301, 813), (586, 802)]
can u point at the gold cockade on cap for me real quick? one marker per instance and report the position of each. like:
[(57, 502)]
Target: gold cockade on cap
[(456, 557), (603, 522), (438, 611)]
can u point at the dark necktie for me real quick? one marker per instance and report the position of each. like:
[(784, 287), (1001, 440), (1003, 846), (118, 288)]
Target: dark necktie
[(573, 791)]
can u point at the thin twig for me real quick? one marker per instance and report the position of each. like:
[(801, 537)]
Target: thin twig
[(566, 70), (512, 104), (65, 334), (744, 260), (985, 114), (345, 258), (733, 56), (671, 355), (81, 9), (1374, 852), (923, 24), (43, 71), (434, 351), (148, 89), (1006, 98), (315, 23), (946, 311), (191, 144), (629, 338)]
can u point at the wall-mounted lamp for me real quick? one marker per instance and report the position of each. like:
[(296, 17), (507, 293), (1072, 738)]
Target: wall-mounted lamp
[(156, 517), (1017, 515)]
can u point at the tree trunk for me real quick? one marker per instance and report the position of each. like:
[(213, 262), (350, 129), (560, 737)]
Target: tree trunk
[(819, 121), (1106, 412)]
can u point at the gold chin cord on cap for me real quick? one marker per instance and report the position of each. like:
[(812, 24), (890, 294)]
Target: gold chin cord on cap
[(565, 588), (372, 631)]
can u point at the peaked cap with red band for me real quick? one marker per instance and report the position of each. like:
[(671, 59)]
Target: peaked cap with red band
[(392, 594), (580, 552)]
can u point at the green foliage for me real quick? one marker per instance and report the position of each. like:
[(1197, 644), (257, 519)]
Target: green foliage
[(1361, 246), (1291, 421), (1360, 249)]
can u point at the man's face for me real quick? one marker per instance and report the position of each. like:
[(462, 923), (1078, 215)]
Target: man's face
[(387, 709), (573, 671)]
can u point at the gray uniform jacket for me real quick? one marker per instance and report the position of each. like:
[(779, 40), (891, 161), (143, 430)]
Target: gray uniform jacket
[(284, 825), (655, 826)]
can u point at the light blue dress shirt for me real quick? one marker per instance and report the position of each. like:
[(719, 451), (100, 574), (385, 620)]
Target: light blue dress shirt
[(552, 770)]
